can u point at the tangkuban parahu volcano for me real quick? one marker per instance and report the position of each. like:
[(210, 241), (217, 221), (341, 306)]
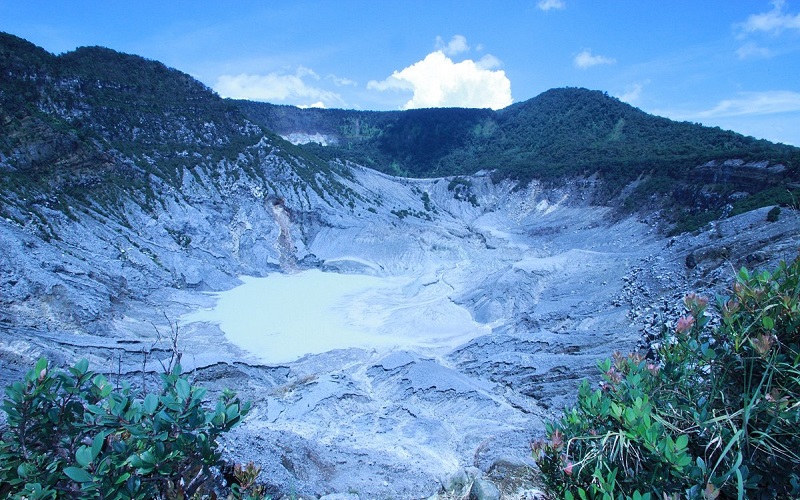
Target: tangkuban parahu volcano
[(404, 296)]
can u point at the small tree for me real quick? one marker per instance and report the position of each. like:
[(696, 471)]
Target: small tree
[(71, 433), (717, 412)]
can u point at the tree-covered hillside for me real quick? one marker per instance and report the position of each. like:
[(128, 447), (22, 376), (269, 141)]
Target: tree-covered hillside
[(562, 132), (639, 159), (123, 101), (94, 122), (95, 116)]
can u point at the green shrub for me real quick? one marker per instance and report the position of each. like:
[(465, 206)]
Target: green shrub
[(717, 412), (71, 433)]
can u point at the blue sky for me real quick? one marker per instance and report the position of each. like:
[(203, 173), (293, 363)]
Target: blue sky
[(728, 63)]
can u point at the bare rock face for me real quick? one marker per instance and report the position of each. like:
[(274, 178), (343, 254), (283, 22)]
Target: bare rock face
[(745, 175), (556, 283)]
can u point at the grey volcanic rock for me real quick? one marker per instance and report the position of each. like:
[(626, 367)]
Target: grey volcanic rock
[(556, 283), (483, 489), (748, 176)]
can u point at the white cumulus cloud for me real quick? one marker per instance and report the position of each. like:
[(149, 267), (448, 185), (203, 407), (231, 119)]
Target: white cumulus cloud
[(437, 81), (276, 87), (456, 45), (318, 104), (774, 22), (489, 62), (586, 60), (546, 5), (632, 94)]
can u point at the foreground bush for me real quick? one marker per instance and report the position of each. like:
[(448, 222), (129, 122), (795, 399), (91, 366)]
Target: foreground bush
[(717, 415), (71, 433)]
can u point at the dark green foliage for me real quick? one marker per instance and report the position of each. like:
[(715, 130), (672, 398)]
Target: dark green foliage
[(691, 221), (718, 412), (426, 201), (135, 100), (773, 196), (72, 433), (462, 190), (457, 183), (562, 132), (710, 208), (180, 237), (407, 212)]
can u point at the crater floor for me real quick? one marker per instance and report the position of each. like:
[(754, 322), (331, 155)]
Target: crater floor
[(389, 342)]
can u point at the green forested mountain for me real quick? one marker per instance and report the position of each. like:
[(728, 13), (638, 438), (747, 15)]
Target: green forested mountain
[(698, 173), (98, 121), (93, 111), (122, 100), (562, 132)]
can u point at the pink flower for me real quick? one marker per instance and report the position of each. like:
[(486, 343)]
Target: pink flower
[(763, 343), (568, 469), (613, 376), (557, 439), (693, 300), (695, 304), (684, 323)]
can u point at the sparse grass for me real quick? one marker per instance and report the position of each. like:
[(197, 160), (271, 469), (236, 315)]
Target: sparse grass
[(295, 384)]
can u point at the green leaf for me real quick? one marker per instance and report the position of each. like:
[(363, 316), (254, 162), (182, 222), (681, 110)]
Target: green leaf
[(82, 366), (83, 456), (199, 393), (744, 275), (102, 386), (148, 457), (97, 444), (768, 323), (182, 388), (681, 442), (39, 370), (23, 470), (150, 403), (739, 485), (78, 475)]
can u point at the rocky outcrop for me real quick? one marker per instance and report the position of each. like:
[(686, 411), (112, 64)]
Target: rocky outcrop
[(747, 176)]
